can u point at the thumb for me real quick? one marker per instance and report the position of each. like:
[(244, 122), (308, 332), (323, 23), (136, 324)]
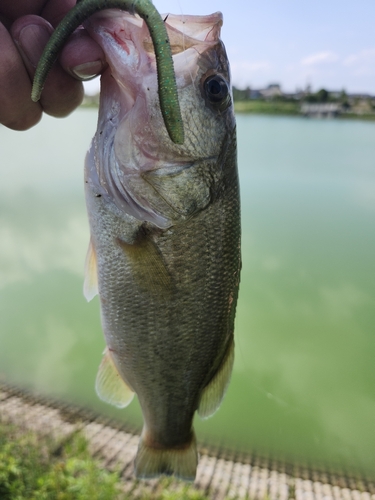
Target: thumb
[(82, 57)]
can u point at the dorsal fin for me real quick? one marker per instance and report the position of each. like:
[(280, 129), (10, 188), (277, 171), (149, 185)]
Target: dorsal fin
[(90, 284), (109, 385), (214, 391)]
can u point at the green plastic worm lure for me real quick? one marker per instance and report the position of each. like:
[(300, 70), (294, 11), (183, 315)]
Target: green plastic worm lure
[(167, 87)]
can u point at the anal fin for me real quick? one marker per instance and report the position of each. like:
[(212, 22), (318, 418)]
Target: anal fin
[(214, 391), (110, 387), (90, 285)]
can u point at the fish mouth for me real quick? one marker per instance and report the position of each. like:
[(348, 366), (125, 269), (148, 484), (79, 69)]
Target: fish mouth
[(129, 51), (131, 139)]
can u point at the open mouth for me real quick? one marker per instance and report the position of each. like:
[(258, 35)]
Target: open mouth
[(125, 37), (137, 164)]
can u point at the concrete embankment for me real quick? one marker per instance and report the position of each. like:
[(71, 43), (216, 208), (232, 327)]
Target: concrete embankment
[(220, 474)]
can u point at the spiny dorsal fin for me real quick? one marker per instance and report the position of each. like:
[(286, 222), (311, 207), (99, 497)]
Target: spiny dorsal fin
[(90, 285), (214, 392), (148, 266), (109, 385)]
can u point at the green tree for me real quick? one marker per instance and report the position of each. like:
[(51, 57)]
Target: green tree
[(322, 95), (343, 99)]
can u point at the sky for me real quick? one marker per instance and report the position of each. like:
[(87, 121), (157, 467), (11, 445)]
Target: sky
[(322, 43)]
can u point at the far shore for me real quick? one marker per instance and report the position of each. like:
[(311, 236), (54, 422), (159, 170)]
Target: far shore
[(257, 106), (287, 109)]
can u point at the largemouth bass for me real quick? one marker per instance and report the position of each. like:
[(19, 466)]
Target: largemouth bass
[(164, 254)]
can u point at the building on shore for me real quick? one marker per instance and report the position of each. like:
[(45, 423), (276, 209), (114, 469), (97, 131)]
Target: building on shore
[(321, 110)]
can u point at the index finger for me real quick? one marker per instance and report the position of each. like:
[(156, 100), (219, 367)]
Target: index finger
[(17, 110), (63, 93)]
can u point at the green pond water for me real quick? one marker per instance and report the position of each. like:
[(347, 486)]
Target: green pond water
[(303, 385)]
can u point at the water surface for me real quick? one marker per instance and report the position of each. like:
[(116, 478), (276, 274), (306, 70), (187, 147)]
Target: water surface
[(304, 379)]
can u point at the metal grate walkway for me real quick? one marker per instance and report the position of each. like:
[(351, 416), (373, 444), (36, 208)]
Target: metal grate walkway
[(219, 475)]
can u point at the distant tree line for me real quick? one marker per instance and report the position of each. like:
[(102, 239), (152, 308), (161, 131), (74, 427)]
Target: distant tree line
[(323, 96), (347, 102), (241, 94)]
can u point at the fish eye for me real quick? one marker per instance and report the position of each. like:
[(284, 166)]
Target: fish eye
[(216, 88)]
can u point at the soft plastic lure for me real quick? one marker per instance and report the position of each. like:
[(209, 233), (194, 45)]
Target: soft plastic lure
[(169, 104)]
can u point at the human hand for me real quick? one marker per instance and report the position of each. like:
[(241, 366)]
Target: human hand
[(25, 28)]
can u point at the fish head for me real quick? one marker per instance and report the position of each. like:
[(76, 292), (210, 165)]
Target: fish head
[(136, 163)]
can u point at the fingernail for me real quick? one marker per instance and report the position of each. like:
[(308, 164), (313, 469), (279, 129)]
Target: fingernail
[(32, 40), (88, 70)]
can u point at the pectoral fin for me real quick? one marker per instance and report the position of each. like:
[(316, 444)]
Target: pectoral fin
[(148, 266), (214, 392), (90, 285), (110, 387)]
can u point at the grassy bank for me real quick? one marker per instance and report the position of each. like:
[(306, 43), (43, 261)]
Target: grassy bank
[(288, 108), (40, 468), (35, 468), (354, 116), (267, 107)]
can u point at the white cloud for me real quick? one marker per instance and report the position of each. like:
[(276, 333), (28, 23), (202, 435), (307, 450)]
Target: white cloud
[(319, 58), (361, 64), (366, 56)]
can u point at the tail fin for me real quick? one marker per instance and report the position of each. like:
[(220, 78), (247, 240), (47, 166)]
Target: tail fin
[(180, 462)]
